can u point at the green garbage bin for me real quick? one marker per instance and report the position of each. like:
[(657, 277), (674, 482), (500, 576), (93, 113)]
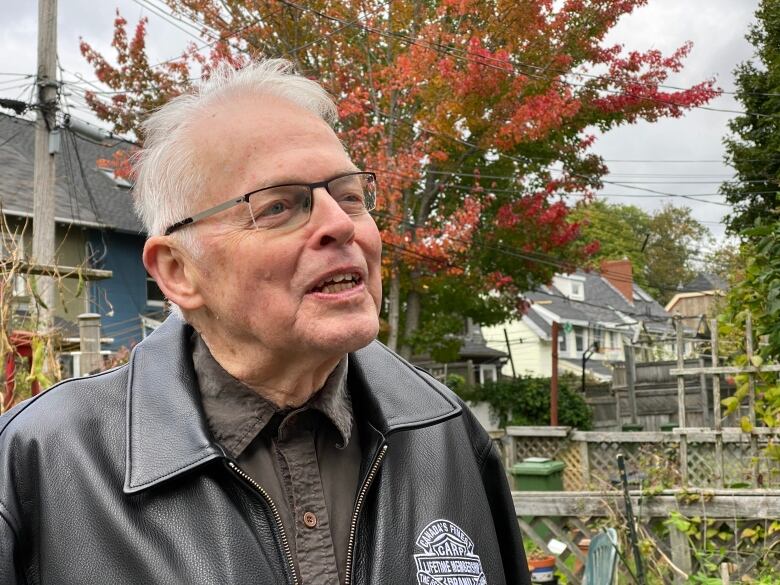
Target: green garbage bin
[(669, 427), (538, 474)]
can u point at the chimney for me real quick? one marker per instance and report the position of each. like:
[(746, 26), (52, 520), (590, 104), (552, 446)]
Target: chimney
[(619, 275)]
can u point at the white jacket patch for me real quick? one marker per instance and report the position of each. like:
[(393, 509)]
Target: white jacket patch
[(449, 557)]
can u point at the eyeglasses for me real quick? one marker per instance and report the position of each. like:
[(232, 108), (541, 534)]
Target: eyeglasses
[(289, 206)]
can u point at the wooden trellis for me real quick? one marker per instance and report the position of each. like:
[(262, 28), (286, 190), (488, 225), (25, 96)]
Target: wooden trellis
[(571, 517), (717, 432), (590, 456)]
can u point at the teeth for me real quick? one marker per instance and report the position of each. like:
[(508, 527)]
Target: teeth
[(336, 278), (336, 288)]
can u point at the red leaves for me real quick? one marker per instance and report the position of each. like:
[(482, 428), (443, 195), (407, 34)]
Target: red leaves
[(538, 115), (119, 164), (426, 89), (633, 85)]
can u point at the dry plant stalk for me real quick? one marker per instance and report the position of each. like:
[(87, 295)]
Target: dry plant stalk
[(17, 288)]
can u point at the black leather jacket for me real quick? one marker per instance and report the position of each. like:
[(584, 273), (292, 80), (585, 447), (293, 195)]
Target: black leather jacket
[(114, 479)]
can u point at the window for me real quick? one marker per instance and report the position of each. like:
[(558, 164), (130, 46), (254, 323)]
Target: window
[(154, 296), (599, 336), (487, 373), (562, 341), (13, 252), (579, 338), (572, 287), (119, 181)]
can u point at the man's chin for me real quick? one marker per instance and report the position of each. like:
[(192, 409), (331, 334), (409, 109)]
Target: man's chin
[(347, 335)]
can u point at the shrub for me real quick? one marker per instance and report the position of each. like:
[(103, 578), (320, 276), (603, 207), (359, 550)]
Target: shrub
[(526, 401)]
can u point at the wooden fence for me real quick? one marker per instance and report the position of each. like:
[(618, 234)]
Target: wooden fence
[(718, 518), (655, 397), (652, 458), (689, 482)]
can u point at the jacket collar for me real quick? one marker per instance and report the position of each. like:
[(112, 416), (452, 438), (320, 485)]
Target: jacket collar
[(167, 434)]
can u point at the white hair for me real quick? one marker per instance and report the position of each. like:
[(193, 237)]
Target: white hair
[(167, 175)]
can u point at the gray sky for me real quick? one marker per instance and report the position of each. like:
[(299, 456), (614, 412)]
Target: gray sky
[(716, 27)]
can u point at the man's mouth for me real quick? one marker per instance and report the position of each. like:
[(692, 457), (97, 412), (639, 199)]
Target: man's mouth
[(338, 283)]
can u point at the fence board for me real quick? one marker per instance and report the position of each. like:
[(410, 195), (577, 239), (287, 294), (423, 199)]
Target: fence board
[(712, 503)]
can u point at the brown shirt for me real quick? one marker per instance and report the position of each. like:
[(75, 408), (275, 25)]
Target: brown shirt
[(307, 459)]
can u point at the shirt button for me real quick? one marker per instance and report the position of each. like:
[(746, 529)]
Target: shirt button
[(310, 520)]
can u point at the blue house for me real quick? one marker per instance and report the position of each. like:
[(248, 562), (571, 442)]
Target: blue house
[(95, 227)]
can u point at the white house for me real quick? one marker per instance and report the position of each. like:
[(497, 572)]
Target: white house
[(603, 310)]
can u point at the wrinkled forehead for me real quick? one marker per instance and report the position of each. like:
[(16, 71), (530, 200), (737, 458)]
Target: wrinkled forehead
[(251, 141)]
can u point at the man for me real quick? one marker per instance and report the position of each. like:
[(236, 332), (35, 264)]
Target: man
[(260, 435)]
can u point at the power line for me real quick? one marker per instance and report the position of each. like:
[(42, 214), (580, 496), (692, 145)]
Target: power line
[(506, 66), (169, 18), (484, 60), (672, 161), (500, 154), (538, 257), (645, 316), (186, 19), (519, 190)]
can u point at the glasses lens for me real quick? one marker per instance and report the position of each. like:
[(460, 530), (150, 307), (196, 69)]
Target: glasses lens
[(355, 194), (285, 207)]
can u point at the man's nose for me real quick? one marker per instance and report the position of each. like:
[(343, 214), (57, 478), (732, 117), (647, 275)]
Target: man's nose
[(331, 222)]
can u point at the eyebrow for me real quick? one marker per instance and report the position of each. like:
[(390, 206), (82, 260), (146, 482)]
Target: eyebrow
[(289, 180)]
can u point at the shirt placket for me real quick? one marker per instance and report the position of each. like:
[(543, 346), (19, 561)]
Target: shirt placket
[(313, 539)]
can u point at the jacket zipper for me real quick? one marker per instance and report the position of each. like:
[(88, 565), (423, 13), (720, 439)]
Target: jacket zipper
[(358, 505), (275, 511)]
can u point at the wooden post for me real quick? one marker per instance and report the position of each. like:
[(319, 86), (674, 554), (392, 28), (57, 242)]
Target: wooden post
[(44, 162), (554, 376), (681, 401), (705, 411), (716, 412), (751, 398), (89, 343), (630, 358), (509, 351), (681, 553), (509, 452), (585, 462), (724, 574)]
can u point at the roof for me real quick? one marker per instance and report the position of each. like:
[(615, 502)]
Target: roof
[(476, 349), (602, 304), (705, 282), (84, 195), (596, 367)]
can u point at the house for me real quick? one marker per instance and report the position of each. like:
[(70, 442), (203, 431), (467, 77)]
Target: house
[(597, 312), (477, 363), (95, 227), (698, 299)]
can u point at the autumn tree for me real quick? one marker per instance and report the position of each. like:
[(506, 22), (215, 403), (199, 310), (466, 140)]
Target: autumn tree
[(476, 116)]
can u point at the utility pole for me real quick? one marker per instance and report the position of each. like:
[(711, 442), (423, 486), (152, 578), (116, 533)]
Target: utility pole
[(509, 351), (46, 146), (554, 376)]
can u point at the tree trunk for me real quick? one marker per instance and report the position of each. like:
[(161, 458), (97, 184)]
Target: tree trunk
[(394, 310), (412, 321)]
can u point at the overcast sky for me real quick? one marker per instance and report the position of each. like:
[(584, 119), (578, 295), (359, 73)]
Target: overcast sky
[(716, 27)]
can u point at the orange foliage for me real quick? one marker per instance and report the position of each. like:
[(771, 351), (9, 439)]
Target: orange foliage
[(431, 95)]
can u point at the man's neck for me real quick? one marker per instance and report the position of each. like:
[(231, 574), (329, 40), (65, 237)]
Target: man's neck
[(287, 381)]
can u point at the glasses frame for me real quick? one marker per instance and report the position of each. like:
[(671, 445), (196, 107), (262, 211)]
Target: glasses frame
[(245, 199)]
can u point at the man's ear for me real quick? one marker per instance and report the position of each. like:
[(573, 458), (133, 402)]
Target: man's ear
[(173, 271)]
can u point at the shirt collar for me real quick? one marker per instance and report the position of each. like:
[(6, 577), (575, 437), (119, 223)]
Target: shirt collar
[(236, 414), (166, 431)]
